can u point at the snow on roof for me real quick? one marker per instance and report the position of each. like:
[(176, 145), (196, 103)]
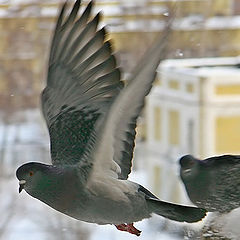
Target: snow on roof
[(195, 22), (209, 71), (203, 67), (49, 11), (199, 62), (218, 71), (124, 8), (230, 22)]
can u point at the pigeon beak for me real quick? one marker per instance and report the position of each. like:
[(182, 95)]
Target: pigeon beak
[(188, 170), (21, 185)]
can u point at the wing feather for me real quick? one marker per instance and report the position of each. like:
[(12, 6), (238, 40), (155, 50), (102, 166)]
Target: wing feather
[(82, 83), (116, 144)]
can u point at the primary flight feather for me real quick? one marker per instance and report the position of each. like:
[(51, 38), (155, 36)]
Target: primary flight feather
[(91, 119)]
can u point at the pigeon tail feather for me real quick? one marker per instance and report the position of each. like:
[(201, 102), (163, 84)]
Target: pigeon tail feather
[(176, 212)]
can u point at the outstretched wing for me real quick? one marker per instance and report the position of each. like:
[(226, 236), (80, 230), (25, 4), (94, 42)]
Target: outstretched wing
[(224, 161), (117, 140), (82, 82)]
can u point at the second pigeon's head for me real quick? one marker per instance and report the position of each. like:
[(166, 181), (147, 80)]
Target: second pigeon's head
[(188, 167)]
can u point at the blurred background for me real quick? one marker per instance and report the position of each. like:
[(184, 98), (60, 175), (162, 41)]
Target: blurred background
[(193, 108)]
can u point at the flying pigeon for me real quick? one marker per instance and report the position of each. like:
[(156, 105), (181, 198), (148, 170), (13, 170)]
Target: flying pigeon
[(213, 183), (91, 118)]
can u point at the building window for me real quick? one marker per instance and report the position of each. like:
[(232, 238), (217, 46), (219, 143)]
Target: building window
[(173, 84), (174, 128), (190, 134), (228, 89), (236, 7), (189, 88), (157, 123), (156, 179), (227, 134)]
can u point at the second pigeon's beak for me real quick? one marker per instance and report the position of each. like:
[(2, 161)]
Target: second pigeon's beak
[(21, 185)]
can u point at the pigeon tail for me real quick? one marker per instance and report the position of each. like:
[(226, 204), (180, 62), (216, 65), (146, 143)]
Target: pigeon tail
[(176, 212)]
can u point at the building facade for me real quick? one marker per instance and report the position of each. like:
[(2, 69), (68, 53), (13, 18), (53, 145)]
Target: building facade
[(194, 109), (26, 29)]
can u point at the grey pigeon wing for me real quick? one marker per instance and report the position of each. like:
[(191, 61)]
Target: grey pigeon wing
[(82, 82), (125, 140), (116, 143), (225, 188), (223, 160)]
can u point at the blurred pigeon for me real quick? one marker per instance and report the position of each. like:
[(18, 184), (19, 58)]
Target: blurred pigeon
[(213, 183), (91, 119)]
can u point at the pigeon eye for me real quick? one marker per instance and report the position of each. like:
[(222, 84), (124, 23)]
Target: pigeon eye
[(190, 164), (31, 173)]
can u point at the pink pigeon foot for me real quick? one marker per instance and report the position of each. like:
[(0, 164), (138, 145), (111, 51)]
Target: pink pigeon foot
[(128, 228)]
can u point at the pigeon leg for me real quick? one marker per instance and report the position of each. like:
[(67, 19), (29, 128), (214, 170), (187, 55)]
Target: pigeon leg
[(121, 227), (128, 228), (133, 230)]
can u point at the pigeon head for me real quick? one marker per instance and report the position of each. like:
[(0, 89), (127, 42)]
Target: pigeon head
[(49, 183), (189, 166), (30, 174)]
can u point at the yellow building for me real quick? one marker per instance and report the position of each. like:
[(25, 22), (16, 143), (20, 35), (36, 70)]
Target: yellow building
[(26, 28), (194, 109)]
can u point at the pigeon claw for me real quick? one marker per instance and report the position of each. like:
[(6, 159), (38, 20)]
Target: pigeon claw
[(128, 228)]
